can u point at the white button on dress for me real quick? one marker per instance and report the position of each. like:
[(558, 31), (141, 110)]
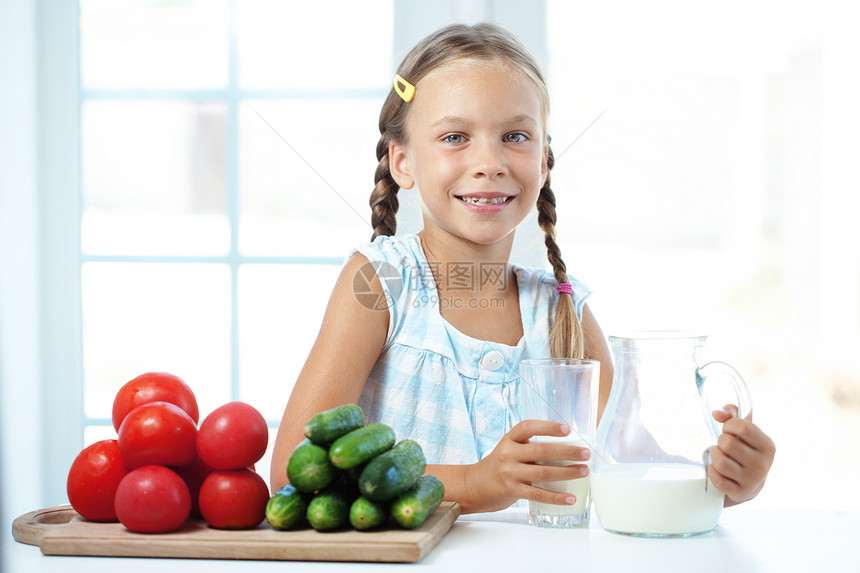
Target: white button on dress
[(492, 360)]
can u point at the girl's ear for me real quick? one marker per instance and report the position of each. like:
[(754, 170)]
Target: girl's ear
[(398, 165), (544, 165)]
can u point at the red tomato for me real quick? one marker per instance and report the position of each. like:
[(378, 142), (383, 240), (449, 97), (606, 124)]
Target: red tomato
[(93, 479), (234, 499), (233, 436), (152, 499), (193, 475), (153, 387), (157, 433)]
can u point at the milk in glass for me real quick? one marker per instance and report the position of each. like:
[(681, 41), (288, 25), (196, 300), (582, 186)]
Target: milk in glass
[(550, 514)]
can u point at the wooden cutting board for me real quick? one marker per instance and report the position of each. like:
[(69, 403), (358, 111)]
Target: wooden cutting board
[(61, 531)]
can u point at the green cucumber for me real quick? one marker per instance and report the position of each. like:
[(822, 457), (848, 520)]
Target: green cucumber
[(326, 427), (329, 509), (411, 508), (287, 508), (358, 446), (309, 468), (366, 514), (393, 472)]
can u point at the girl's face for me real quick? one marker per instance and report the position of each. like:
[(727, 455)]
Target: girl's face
[(476, 150)]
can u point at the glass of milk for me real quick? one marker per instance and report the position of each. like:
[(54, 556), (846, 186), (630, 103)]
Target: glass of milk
[(565, 391)]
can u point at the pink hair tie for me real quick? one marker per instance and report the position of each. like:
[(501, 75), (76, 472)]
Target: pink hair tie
[(564, 288)]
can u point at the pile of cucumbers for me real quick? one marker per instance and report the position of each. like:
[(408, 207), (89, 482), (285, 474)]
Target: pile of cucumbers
[(347, 472)]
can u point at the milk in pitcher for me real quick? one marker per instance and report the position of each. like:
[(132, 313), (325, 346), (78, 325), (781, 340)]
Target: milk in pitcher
[(655, 499)]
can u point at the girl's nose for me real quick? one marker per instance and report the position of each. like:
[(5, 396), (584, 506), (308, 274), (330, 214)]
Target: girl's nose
[(489, 161)]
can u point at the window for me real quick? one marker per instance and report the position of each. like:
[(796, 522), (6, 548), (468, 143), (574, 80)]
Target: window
[(221, 187)]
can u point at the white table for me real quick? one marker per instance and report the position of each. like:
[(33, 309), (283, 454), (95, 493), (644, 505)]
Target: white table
[(746, 540)]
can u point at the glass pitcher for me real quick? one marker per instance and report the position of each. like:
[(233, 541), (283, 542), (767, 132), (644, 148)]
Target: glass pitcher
[(649, 477)]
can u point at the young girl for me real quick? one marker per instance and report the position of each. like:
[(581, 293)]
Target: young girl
[(425, 332)]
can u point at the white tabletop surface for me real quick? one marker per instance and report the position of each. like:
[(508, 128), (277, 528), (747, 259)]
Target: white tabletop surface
[(746, 540)]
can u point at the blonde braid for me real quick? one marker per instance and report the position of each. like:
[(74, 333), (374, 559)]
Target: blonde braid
[(566, 339)]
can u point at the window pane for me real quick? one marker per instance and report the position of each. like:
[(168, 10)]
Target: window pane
[(340, 44), (154, 177), (280, 311), (143, 317), (657, 182), (661, 159), (148, 44), (308, 196), (93, 434)]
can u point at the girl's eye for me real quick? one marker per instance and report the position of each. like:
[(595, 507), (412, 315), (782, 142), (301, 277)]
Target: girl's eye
[(453, 138), (515, 137)]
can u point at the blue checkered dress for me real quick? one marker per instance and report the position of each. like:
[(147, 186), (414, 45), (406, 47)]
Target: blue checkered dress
[(432, 383)]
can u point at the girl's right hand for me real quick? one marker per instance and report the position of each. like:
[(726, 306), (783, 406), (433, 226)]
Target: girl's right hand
[(506, 474)]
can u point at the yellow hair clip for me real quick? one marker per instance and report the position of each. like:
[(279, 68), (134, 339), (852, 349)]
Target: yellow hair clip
[(403, 88)]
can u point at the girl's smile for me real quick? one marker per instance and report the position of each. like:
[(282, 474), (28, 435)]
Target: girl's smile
[(485, 202), (476, 150)]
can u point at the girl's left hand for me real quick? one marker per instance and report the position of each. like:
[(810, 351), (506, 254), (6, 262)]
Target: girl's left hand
[(742, 458)]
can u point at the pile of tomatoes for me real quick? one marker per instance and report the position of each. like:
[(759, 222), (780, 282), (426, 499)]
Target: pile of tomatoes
[(162, 468)]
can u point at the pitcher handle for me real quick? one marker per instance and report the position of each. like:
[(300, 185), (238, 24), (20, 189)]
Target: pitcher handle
[(741, 389), (742, 393)]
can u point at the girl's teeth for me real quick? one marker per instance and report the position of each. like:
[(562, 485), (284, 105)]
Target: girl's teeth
[(484, 200)]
